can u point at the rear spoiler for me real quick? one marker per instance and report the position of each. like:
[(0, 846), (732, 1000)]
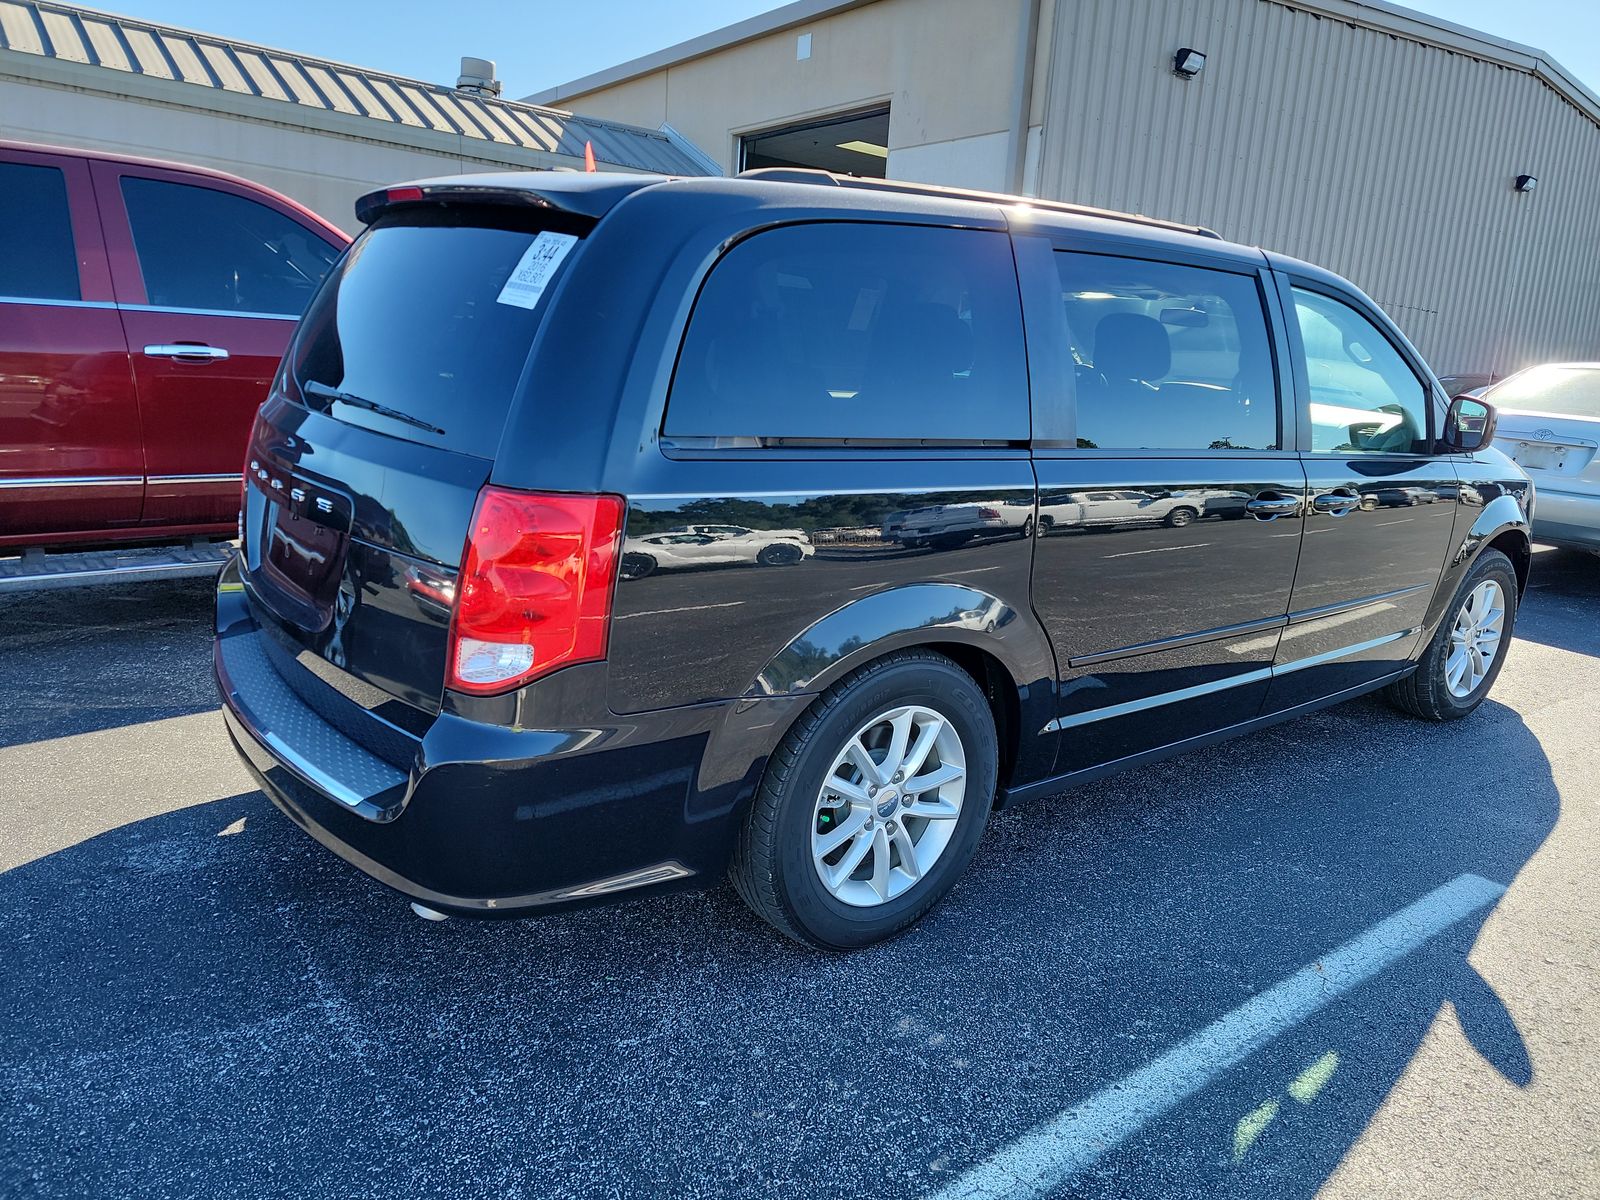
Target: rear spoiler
[(577, 195)]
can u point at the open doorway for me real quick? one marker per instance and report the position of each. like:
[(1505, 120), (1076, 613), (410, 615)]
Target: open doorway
[(854, 144)]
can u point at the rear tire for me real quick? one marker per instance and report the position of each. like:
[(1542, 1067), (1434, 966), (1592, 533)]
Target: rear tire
[(1447, 684), (1179, 517), (637, 566), (779, 554), (780, 861)]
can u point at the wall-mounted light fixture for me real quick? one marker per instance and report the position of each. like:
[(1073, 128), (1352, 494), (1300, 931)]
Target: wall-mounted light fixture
[(1526, 183), (1188, 62)]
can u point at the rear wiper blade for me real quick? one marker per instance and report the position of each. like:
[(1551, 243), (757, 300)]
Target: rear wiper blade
[(355, 401)]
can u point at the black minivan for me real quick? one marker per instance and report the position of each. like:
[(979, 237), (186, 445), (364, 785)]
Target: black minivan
[(607, 534)]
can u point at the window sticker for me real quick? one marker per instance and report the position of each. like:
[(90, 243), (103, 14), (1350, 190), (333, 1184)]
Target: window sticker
[(535, 269)]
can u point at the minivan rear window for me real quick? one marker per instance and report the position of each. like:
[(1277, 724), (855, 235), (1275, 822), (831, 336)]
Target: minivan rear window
[(855, 332), (423, 318)]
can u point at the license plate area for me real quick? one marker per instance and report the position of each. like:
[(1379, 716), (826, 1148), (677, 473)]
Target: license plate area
[(303, 540), (1542, 456)]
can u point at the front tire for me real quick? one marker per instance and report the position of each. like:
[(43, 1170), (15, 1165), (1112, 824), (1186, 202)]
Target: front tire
[(1179, 517), (836, 850), (1464, 658)]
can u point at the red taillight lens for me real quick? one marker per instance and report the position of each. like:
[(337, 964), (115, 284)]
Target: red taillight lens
[(400, 195), (988, 514), (535, 587)]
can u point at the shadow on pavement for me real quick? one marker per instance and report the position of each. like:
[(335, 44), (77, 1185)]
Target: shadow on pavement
[(194, 1006), (1567, 616), (102, 657)]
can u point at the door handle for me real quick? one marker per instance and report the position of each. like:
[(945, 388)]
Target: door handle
[(1269, 506), (1337, 502), (187, 350)]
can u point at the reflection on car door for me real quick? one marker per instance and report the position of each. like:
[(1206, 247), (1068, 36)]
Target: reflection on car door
[(211, 279), (69, 421), (1382, 503), (1162, 630)]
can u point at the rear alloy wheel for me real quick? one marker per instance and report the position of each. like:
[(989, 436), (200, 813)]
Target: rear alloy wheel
[(779, 554), (872, 805), (637, 566), (1460, 664), (1179, 517), (888, 807)]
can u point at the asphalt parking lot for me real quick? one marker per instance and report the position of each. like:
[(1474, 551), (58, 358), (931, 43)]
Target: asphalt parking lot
[(1148, 987)]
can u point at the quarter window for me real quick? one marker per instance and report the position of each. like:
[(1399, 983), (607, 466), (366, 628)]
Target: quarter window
[(207, 249), (1168, 356), (853, 332), (1365, 399), (38, 260)]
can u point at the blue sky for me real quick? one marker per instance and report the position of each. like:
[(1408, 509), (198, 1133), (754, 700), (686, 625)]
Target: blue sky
[(541, 44)]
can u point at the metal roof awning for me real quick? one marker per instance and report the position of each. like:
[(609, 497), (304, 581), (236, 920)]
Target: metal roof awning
[(73, 34)]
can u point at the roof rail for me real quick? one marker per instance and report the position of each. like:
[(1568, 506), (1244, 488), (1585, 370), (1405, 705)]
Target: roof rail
[(811, 175)]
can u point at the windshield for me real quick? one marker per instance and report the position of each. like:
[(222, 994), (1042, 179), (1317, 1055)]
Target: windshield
[(1563, 391), (423, 330)]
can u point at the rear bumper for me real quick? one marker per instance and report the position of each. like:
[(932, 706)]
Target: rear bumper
[(1567, 519), (490, 819)]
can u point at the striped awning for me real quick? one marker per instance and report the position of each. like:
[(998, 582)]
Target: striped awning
[(73, 34)]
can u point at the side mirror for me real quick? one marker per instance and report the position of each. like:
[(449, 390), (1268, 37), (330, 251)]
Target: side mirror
[(1468, 425)]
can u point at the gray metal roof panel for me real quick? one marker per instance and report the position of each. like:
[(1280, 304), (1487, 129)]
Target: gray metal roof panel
[(88, 36)]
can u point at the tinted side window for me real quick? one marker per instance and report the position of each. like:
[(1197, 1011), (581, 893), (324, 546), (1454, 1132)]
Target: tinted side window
[(201, 248), (38, 259), (878, 333), (1364, 397), (1167, 356)]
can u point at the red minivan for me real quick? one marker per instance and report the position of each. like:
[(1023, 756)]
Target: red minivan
[(143, 309)]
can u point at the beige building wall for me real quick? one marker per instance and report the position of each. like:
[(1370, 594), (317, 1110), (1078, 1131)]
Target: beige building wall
[(945, 67), (1372, 142), (1389, 161)]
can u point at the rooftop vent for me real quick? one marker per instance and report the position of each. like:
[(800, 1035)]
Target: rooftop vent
[(477, 77)]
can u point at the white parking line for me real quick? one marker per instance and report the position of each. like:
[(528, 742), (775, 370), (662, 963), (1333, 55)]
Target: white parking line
[(658, 612), (1157, 550), (1042, 1161)]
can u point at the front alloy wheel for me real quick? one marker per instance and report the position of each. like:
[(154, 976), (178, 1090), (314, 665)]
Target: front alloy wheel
[(1475, 639), (1459, 665)]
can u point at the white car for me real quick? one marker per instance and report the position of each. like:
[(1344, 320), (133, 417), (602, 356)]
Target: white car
[(946, 526), (711, 545), (1549, 423), (1119, 506)]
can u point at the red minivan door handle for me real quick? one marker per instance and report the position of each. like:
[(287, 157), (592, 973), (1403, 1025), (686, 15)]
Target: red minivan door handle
[(187, 351)]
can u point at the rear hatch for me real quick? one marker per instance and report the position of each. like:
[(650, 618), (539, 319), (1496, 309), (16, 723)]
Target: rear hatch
[(365, 464)]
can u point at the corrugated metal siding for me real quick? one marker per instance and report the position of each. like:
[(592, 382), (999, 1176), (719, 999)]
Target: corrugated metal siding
[(1384, 159), (98, 39)]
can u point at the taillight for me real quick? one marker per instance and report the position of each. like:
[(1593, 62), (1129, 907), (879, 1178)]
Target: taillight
[(988, 514), (535, 587)]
